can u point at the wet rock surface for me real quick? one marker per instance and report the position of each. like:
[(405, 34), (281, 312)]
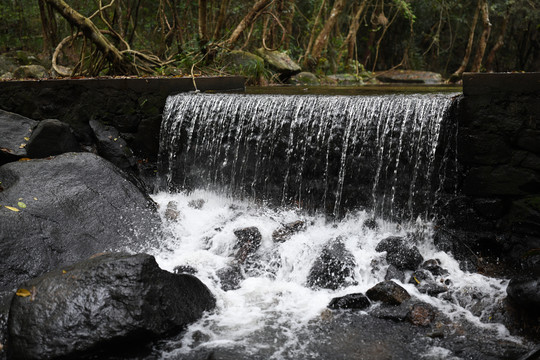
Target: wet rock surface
[(16, 131), (410, 76), (112, 146), (51, 137), (399, 253), (388, 292), (114, 302), (230, 277), (66, 209), (285, 232), (357, 301), (249, 240), (334, 268), (348, 335)]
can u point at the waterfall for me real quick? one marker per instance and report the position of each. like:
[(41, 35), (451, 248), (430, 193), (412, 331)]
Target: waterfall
[(242, 170), (331, 153)]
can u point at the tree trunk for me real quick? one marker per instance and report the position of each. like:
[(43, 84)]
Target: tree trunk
[(221, 18), (313, 32), (486, 25), (203, 34), (350, 41), (459, 72), (255, 11), (499, 43), (120, 63), (48, 24), (288, 23), (322, 39)]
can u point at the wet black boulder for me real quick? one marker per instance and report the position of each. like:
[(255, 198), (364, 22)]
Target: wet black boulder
[(58, 211), (334, 268), (525, 291), (51, 137), (15, 131), (388, 292), (356, 301), (112, 146), (109, 303), (399, 253)]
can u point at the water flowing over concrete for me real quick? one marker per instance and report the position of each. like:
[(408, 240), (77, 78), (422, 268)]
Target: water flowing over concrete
[(335, 153)]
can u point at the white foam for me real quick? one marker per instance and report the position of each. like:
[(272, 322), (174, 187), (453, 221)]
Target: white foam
[(276, 297)]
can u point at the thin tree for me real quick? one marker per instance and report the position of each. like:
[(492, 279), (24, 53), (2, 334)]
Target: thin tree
[(500, 41), (324, 36), (459, 72), (250, 17), (350, 40), (486, 30)]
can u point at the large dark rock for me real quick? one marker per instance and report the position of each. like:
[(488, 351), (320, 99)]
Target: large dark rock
[(69, 208), (399, 253), (112, 146), (51, 137), (114, 302), (388, 292), (525, 291), (334, 268), (16, 131)]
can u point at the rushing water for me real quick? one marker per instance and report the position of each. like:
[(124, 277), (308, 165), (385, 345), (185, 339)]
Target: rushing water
[(259, 161), (319, 152)]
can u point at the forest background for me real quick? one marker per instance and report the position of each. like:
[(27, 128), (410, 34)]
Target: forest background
[(178, 38)]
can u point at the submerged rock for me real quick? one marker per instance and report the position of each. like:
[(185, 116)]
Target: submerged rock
[(114, 302), (426, 283), (65, 209), (434, 267), (172, 213), (230, 277), (285, 232), (196, 204), (16, 131), (357, 301), (388, 292), (394, 273), (51, 137), (399, 253), (249, 240), (421, 314), (333, 269)]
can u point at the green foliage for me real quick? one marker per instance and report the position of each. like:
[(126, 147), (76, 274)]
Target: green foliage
[(422, 34)]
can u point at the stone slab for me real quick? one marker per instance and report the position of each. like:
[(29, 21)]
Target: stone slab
[(486, 83)]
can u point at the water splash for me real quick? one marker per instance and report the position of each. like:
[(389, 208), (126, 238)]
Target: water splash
[(330, 153)]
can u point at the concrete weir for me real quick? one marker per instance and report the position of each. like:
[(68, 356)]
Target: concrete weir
[(132, 105)]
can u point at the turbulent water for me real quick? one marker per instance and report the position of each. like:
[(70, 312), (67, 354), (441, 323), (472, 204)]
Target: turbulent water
[(275, 315), (233, 162)]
